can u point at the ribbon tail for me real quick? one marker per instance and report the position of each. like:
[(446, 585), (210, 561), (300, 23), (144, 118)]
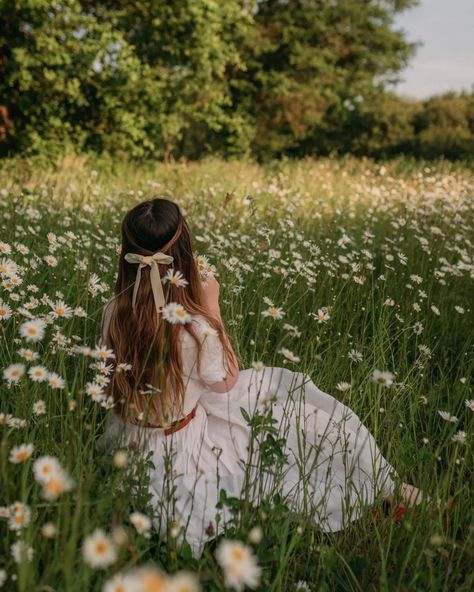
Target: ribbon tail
[(156, 287), (137, 283)]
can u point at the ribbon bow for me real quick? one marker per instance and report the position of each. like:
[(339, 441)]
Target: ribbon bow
[(155, 278)]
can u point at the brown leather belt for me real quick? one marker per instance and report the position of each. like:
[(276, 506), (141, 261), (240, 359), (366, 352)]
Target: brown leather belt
[(178, 424)]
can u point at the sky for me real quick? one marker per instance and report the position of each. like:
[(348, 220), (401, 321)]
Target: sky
[(446, 59)]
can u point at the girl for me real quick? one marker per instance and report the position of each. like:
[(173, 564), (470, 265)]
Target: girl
[(178, 392)]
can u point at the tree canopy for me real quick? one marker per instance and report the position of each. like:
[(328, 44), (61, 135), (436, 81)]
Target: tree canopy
[(235, 77)]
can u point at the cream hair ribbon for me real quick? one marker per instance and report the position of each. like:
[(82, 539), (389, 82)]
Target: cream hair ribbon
[(155, 278)]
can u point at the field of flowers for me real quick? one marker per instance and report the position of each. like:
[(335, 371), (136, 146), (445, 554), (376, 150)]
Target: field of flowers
[(371, 267)]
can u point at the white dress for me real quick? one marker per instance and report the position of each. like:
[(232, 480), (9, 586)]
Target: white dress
[(330, 465)]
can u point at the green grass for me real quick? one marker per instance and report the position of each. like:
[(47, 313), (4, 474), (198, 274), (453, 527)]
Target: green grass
[(357, 232)]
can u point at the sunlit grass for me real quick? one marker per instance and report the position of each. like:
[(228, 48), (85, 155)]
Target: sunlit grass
[(373, 268)]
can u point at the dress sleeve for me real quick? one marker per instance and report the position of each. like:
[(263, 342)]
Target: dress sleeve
[(212, 355), (104, 323)]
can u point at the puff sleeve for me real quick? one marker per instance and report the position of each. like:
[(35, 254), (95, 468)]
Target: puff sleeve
[(212, 354)]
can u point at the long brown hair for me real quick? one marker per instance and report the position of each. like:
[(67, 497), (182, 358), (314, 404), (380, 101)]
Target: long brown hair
[(142, 337)]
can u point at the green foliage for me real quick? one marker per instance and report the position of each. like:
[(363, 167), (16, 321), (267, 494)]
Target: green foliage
[(382, 126), (188, 78), (445, 126), (306, 60), (129, 79)]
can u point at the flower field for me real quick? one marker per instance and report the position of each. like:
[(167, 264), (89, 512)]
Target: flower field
[(359, 274)]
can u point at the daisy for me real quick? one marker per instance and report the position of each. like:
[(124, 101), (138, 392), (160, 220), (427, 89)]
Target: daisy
[(289, 355), (239, 564), (383, 378), (448, 417), (28, 354), (121, 583), (5, 418), (343, 386), (48, 530), (104, 368), (459, 309), (99, 352), (98, 550), (5, 311), (259, 365), (45, 467), (175, 277), (23, 249), (355, 355), (176, 313), (108, 403), (425, 350), (209, 332), (205, 268), (418, 328), (102, 380), (33, 330), (93, 285), (14, 373), (38, 373), (16, 422), (469, 404), (21, 453), (183, 581), (51, 260), (255, 535), (39, 407), (266, 401), (55, 381), (322, 315), (19, 516), (151, 578), (8, 267), (61, 309), (80, 312), (95, 391), (273, 311), (141, 522), (120, 459), (435, 309), (119, 535), (460, 437), (59, 483), (21, 552)]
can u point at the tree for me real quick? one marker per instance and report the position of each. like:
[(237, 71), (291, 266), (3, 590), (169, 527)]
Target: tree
[(445, 126), (128, 78), (309, 61)]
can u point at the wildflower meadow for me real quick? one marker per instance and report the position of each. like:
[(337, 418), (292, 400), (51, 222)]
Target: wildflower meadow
[(357, 273)]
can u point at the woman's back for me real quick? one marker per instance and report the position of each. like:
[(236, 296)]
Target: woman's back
[(212, 368)]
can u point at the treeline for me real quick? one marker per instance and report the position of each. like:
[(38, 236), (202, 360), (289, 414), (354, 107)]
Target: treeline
[(237, 78)]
